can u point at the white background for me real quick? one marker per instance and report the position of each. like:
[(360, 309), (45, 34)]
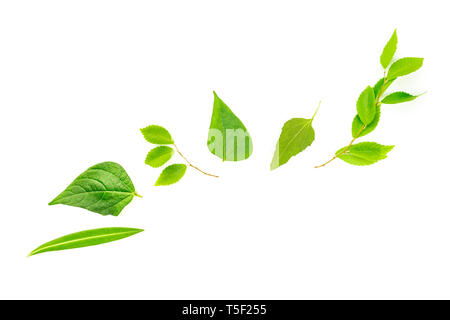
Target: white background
[(79, 78)]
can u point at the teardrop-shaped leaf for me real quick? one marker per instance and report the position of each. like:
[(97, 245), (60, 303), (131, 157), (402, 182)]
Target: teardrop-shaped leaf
[(228, 138), (171, 174), (297, 134), (157, 135), (403, 67), (86, 238), (357, 125), (379, 89), (398, 97), (366, 106), (104, 188), (389, 51), (364, 153), (159, 156)]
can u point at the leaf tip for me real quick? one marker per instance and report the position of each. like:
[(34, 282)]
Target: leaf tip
[(32, 253)]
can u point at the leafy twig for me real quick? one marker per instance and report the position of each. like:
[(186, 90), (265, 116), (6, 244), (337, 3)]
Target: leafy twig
[(158, 156), (377, 103), (368, 106)]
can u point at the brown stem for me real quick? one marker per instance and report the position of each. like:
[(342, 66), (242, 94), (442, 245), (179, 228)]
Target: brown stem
[(345, 150), (191, 165), (360, 130)]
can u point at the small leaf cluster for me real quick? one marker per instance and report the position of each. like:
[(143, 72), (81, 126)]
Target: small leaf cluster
[(369, 104), (159, 156)]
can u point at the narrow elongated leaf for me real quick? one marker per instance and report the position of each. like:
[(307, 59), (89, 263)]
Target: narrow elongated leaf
[(157, 135), (297, 134), (379, 86), (403, 67), (357, 125), (364, 153), (366, 106), (171, 174), (398, 97), (228, 138), (389, 51), (159, 156), (86, 238), (104, 188)]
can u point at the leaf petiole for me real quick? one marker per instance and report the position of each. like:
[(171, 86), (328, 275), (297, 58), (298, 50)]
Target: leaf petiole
[(191, 165)]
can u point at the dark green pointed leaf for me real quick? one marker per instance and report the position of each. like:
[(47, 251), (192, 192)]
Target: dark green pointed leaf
[(398, 97), (104, 188), (364, 153), (85, 239), (403, 67), (228, 138), (157, 135), (159, 156), (366, 106), (389, 51), (357, 125), (171, 175), (297, 134)]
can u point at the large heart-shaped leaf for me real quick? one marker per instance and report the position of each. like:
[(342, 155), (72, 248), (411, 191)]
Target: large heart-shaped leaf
[(104, 188)]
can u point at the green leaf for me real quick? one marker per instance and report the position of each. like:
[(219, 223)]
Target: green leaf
[(228, 138), (398, 97), (157, 135), (159, 156), (403, 67), (379, 85), (357, 125), (171, 175), (389, 51), (364, 153), (366, 106), (85, 239), (297, 134), (104, 188)]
